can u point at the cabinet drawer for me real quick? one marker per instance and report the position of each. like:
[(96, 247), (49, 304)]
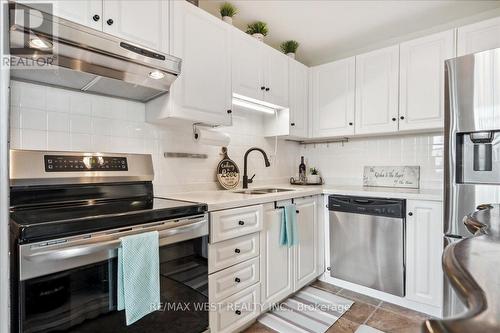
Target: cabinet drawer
[(231, 223), (236, 311), (233, 279), (231, 252)]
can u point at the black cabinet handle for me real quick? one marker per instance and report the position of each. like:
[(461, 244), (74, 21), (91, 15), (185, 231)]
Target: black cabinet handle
[(297, 211), (410, 214), (402, 117), (267, 89), (292, 124), (110, 22), (238, 312), (350, 124), (241, 222), (262, 88), (237, 250), (229, 111), (394, 119), (96, 17), (237, 280)]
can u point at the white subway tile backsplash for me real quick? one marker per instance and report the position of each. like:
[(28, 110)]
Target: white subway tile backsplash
[(80, 124), (58, 141), (58, 100), (15, 117), (33, 139), (33, 96), (33, 119), (15, 138), (80, 103), (82, 142), (58, 121)]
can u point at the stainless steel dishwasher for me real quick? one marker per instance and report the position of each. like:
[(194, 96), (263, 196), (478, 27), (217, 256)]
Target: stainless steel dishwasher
[(367, 242)]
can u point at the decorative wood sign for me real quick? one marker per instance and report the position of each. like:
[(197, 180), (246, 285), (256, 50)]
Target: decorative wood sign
[(228, 173), (392, 176)]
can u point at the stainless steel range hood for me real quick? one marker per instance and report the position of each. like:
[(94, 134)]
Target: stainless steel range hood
[(50, 50)]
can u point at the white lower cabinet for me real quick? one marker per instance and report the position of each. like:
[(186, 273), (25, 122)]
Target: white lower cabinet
[(306, 251), (424, 233), (285, 270), (249, 273), (276, 260), (236, 311)]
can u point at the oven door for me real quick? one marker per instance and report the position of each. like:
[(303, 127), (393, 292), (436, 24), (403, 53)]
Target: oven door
[(70, 284)]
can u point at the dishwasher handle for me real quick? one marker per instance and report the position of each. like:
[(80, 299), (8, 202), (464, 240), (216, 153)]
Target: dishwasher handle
[(368, 206)]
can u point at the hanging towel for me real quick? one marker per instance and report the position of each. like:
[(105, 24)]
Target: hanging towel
[(138, 275), (288, 233)]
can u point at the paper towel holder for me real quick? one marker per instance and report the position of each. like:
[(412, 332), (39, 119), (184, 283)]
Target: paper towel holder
[(195, 125)]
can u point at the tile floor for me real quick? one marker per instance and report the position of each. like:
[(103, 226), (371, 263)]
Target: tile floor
[(366, 310)]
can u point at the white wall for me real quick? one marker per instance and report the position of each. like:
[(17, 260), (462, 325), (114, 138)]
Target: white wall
[(46, 118), (343, 165)]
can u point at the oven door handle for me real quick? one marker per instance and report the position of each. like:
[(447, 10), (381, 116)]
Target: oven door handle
[(83, 250)]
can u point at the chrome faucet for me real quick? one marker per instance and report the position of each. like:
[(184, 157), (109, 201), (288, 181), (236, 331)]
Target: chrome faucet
[(246, 180)]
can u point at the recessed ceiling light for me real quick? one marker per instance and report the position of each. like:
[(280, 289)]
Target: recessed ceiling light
[(157, 75), (41, 44)]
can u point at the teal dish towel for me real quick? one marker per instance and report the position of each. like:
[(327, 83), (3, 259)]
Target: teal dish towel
[(288, 232), (138, 275)]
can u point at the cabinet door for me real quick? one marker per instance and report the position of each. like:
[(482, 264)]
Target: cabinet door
[(276, 77), (276, 260), (84, 12), (377, 91), (332, 92), (202, 92), (478, 37), (298, 93), (422, 81), (424, 228), (247, 65), (145, 22), (306, 250)]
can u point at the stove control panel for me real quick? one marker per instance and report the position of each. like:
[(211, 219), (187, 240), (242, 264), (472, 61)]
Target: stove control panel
[(62, 163)]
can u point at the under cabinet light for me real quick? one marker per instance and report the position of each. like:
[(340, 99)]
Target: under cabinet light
[(255, 105)]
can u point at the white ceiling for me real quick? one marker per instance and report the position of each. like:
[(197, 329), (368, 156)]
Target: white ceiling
[(331, 29)]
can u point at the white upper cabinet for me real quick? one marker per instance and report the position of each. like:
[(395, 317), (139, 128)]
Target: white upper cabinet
[(424, 226), (202, 92), (298, 97), (84, 12), (421, 100), (247, 65), (259, 71), (276, 77), (332, 94), (377, 81), (478, 37), (145, 22)]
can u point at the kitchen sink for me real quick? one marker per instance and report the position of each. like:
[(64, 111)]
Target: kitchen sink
[(264, 191)]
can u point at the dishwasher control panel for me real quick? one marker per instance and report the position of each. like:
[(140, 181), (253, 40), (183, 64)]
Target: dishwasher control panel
[(368, 206)]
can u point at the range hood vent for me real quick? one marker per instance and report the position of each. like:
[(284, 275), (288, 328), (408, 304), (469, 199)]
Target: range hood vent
[(52, 51)]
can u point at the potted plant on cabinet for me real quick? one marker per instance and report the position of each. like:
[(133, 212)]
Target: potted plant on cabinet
[(289, 48), (258, 30), (227, 11), (314, 176)]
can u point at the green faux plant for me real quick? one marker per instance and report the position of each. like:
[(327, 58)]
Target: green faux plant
[(227, 9), (289, 46), (258, 27), (314, 171)]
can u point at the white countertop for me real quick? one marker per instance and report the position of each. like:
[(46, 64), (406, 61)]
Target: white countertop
[(220, 199)]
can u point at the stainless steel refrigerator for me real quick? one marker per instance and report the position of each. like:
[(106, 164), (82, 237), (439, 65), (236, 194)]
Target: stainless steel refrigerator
[(472, 149)]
